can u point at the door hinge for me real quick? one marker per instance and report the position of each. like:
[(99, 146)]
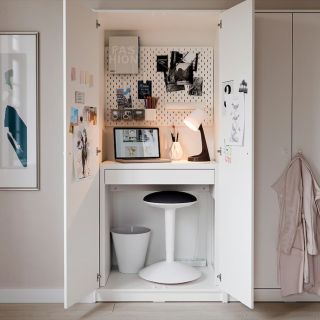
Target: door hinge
[(220, 24), (98, 25), (219, 151), (98, 277), (97, 150), (219, 276)]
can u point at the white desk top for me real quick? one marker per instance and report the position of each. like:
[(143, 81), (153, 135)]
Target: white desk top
[(173, 165)]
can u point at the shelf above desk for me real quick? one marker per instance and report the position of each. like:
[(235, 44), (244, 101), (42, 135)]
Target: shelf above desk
[(175, 172)]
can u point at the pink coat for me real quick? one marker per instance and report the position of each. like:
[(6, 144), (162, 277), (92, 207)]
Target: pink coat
[(299, 229)]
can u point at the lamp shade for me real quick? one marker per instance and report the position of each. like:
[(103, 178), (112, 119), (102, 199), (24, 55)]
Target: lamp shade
[(194, 120)]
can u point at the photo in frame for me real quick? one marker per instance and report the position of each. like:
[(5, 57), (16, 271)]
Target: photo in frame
[(19, 116)]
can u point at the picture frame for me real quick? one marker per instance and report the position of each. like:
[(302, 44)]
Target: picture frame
[(19, 116)]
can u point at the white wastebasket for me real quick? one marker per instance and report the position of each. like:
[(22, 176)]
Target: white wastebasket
[(131, 245)]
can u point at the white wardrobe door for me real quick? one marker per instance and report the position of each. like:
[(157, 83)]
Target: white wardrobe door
[(273, 81), (306, 87)]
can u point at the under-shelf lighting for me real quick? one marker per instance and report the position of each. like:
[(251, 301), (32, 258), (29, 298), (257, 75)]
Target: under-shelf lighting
[(183, 106)]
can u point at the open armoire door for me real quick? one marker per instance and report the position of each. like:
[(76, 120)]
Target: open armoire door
[(81, 204), (234, 188)]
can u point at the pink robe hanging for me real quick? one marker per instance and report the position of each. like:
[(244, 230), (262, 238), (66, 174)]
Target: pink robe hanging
[(299, 229)]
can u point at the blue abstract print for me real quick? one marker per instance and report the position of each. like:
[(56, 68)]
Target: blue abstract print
[(17, 134)]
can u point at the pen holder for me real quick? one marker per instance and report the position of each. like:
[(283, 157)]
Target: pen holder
[(150, 114), (176, 151)]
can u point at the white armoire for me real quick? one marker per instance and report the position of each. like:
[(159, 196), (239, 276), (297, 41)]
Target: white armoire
[(287, 114), (232, 271)]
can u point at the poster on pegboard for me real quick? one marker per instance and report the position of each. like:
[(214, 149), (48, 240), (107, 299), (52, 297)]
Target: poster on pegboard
[(153, 62)]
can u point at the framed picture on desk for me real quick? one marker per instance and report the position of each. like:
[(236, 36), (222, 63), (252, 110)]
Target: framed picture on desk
[(19, 116)]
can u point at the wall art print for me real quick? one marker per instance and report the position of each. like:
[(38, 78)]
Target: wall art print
[(82, 153), (19, 154)]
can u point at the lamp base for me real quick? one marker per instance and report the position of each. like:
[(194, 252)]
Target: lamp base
[(204, 155), (200, 157)]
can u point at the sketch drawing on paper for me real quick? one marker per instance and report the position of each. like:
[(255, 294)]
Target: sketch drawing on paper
[(243, 86), (236, 122), (81, 152), (234, 111), (227, 95)]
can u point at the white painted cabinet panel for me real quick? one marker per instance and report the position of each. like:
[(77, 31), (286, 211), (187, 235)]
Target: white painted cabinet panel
[(81, 207), (306, 87), (273, 74), (235, 178)]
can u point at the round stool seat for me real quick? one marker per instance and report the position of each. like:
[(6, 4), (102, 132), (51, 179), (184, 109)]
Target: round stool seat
[(170, 199)]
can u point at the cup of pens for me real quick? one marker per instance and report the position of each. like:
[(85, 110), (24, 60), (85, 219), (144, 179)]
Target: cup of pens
[(176, 151), (150, 104)]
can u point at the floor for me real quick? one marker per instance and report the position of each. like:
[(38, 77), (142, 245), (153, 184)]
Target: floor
[(163, 311)]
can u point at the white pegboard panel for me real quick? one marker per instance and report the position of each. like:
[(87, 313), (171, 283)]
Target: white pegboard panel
[(148, 71)]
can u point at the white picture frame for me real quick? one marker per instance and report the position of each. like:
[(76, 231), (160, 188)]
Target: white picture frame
[(19, 106)]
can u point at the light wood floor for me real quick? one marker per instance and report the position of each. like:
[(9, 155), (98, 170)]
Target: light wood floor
[(163, 311)]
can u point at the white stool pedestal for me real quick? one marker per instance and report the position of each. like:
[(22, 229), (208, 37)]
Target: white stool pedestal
[(169, 271)]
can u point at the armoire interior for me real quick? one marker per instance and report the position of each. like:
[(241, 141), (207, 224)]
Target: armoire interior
[(163, 31)]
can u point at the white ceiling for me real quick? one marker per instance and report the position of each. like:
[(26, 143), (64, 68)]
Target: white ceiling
[(163, 28)]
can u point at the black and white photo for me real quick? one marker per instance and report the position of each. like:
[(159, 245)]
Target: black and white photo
[(195, 89), (162, 63)]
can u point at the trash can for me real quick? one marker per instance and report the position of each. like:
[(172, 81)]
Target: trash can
[(131, 245)]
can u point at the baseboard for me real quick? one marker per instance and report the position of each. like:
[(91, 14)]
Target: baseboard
[(274, 295), (31, 295), (56, 296)]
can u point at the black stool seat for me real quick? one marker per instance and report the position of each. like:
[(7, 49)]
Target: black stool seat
[(169, 197)]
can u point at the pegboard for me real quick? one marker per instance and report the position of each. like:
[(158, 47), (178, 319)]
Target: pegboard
[(148, 71)]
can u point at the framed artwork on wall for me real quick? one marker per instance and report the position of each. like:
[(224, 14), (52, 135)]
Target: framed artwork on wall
[(19, 111)]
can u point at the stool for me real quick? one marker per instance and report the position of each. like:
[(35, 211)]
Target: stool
[(169, 271)]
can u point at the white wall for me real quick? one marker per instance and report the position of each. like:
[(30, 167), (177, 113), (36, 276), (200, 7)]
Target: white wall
[(31, 222)]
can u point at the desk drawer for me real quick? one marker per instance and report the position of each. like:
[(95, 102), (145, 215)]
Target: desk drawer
[(146, 176)]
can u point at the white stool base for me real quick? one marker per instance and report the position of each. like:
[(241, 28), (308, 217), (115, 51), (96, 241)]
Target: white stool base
[(169, 273)]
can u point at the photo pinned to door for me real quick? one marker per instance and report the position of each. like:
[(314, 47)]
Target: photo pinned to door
[(79, 97), (74, 118), (82, 153), (227, 95), (89, 115), (233, 108), (243, 86)]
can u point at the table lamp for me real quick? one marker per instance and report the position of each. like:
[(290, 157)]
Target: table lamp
[(194, 122)]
